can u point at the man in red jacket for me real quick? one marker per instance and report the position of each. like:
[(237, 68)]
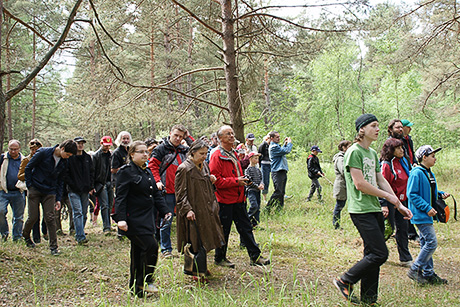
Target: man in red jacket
[(230, 184)]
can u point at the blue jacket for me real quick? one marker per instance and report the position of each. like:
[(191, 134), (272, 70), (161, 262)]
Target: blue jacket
[(419, 195), (41, 174), (278, 156)]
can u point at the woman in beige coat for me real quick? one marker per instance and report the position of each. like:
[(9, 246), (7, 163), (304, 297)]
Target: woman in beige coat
[(196, 202), (340, 189)]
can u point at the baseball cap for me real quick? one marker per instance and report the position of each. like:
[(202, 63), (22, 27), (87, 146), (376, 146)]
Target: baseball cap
[(79, 139), (106, 140), (406, 123), (425, 150), (316, 148), (253, 153), (250, 136)]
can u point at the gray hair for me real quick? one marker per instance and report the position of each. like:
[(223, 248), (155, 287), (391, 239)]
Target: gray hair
[(219, 132), (118, 140)]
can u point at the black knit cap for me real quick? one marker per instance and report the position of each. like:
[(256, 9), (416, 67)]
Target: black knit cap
[(364, 120)]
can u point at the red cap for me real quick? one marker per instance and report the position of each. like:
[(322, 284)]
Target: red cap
[(106, 140), (253, 153)]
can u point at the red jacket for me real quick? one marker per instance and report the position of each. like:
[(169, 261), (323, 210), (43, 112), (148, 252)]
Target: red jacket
[(396, 177), (228, 190)]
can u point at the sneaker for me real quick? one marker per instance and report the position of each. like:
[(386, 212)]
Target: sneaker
[(225, 263), (436, 280), (406, 264), (55, 252), (346, 290), (167, 254), (83, 242), (29, 243), (416, 275), (149, 288), (260, 261)]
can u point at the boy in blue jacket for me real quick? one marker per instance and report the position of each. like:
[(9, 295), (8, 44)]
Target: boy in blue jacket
[(422, 192)]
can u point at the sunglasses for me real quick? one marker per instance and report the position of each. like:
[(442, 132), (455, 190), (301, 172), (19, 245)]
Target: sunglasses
[(35, 144)]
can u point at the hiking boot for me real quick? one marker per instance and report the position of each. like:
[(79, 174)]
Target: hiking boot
[(167, 254), (149, 288), (260, 261), (436, 280), (29, 243), (416, 275), (225, 263), (83, 242), (346, 290), (55, 252)]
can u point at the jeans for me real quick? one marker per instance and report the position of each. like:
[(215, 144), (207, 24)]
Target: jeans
[(17, 203), (428, 245), (315, 186), (336, 214), (229, 213), (165, 231), (402, 225), (265, 168), (79, 203), (106, 199), (48, 201), (371, 228), (254, 207), (279, 182)]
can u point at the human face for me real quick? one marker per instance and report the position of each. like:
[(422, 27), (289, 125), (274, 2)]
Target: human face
[(371, 131), (399, 152), (254, 159), (249, 142), (33, 150), (406, 130), (106, 148), (175, 137), (125, 140), (397, 131), (199, 156), (65, 154), (429, 161), (140, 155), (13, 150), (80, 146), (276, 138), (227, 137)]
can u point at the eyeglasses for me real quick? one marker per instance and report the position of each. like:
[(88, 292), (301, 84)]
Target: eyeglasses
[(144, 152), (13, 149), (35, 143)]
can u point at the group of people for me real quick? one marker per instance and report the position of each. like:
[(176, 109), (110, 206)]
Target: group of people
[(143, 185), (400, 187)]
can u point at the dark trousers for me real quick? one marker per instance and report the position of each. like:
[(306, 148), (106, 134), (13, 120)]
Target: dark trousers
[(315, 186), (144, 256), (48, 201), (229, 213), (279, 183), (402, 226), (337, 210), (371, 228)]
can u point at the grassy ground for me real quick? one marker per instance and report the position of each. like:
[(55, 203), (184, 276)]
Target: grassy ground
[(306, 255)]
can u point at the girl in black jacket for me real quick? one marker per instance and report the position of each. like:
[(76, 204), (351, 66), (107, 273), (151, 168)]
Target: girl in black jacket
[(137, 195)]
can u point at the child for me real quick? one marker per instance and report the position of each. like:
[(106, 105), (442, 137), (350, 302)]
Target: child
[(255, 176), (363, 179), (314, 172), (422, 193)]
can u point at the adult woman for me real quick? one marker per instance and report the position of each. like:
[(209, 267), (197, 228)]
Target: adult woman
[(197, 202), (395, 169), (340, 188), (137, 195)]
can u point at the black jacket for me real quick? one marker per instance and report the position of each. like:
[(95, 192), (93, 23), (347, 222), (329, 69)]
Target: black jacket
[(263, 150), (101, 164), (409, 145), (137, 195), (313, 167), (80, 173)]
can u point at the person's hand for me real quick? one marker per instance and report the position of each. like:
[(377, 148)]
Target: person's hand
[(385, 211), (122, 225), (212, 178), (191, 216), (432, 212), (242, 181), (445, 195), (186, 134), (92, 191), (57, 206), (261, 186), (160, 185), (405, 212), (320, 174)]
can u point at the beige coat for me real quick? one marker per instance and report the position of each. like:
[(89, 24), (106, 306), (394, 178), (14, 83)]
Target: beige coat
[(194, 191)]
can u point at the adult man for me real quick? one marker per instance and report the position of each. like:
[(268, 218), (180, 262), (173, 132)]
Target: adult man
[(102, 181), (165, 159), (407, 140), (80, 182), (230, 184), (44, 183), (9, 193), (250, 147), (279, 169), (120, 155), (214, 144), (395, 129)]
